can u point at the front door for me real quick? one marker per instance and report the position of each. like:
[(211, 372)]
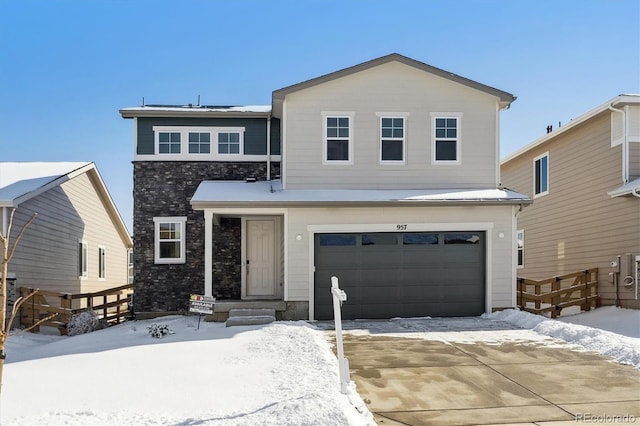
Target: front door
[(260, 259)]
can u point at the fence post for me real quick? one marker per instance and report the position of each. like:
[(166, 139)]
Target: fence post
[(340, 296), (555, 300)]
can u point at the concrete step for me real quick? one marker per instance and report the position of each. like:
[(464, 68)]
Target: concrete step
[(250, 317)]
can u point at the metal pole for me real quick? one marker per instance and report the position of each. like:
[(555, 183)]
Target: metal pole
[(340, 296)]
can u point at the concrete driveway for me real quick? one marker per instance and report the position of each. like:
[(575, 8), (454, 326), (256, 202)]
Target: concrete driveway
[(409, 377)]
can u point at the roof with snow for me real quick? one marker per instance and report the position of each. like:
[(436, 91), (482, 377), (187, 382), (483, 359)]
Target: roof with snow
[(22, 181), (190, 110), (270, 193)]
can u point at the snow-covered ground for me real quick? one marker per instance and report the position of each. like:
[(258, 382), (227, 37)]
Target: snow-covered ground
[(278, 374)]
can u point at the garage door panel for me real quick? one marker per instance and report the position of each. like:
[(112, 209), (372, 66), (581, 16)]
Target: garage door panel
[(401, 274)]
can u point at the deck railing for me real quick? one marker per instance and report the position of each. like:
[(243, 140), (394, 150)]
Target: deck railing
[(553, 294), (111, 306)]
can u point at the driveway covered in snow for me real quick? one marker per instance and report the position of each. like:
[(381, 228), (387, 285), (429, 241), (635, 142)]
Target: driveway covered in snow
[(482, 371)]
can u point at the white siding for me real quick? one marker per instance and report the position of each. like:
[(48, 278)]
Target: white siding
[(501, 273), (390, 88)]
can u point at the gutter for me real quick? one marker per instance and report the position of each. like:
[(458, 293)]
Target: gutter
[(625, 145)]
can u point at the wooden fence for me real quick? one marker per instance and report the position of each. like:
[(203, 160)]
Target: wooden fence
[(554, 294), (111, 305)]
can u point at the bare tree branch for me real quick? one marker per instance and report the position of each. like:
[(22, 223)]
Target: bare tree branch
[(20, 331), (15, 243)]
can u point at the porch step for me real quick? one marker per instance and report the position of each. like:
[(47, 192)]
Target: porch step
[(250, 317)]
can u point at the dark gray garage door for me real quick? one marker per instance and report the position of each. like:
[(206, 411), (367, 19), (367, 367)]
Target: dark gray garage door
[(388, 275)]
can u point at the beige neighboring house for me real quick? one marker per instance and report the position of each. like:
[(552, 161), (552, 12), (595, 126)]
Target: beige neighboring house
[(584, 179), (78, 243)]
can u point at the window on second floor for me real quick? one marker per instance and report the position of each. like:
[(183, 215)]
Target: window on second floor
[(446, 138), (199, 142), (229, 143), (392, 140), (541, 175), (169, 142), (338, 139)]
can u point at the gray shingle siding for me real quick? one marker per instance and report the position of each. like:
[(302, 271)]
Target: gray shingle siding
[(255, 137)]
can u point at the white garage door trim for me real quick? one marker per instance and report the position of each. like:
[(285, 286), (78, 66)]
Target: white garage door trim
[(401, 227)]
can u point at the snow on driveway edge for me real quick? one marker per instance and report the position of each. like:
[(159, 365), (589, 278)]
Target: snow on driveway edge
[(623, 349)]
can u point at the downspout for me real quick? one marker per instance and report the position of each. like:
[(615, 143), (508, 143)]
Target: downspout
[(625, 145), (269, 146)]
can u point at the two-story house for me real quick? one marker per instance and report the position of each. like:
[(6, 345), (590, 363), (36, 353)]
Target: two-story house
[(584, 178), (384, 174)]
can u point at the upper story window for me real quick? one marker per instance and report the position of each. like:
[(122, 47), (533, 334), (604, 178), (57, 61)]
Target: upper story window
[(338, 138), (229, 143), (169, 239), (541, 175), (392, 140), (199, 142), (169, 142), (446, 138), (179, 143)]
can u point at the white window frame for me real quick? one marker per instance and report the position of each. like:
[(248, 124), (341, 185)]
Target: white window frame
[(179, 220), (519, 248), (83, 259), (199, 132), (337, 114), (458, 139), (102, 262), (184, 142), (535, 160), (392, 115)]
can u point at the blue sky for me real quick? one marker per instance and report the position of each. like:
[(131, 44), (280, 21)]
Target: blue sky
[(67, 66)]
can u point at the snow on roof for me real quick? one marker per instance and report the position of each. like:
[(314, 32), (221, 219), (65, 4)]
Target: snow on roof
[(195, 109), (219, 193), (18, 179), (628, 188)]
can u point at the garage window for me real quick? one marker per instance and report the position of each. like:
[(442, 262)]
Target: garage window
[(379, 239), (419, 239), (337, 240), (462, 238)]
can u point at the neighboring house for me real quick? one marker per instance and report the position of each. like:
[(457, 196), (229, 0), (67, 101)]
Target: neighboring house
[(78, 242), (384, 174), (585, 181)]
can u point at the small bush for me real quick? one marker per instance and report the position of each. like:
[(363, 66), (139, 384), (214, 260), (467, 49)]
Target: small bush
[(83, 322), (159, 330)]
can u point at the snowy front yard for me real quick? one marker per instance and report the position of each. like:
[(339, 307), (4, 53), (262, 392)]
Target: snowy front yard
[(282, 373)]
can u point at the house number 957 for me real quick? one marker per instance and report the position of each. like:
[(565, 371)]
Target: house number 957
[(401, 227)]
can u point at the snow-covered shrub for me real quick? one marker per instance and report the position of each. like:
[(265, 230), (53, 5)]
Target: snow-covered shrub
[(159, 330), (83, 322)]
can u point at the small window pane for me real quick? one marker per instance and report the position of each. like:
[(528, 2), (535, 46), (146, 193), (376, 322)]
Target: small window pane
[(419, 239), (440, 122), (441, 133), (451, 122), (343, 122), (234, 137), (332, 122), (398, 132), (338, 150), (337, 240), (170, 250), (343, 132), (194, 137), (234, 149), (379, 239), (462, 238), (392, 151), (387, 122), (387, 132), (163, 137), (446, 150)]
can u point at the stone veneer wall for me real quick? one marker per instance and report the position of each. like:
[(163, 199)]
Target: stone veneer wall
[(164, 188)]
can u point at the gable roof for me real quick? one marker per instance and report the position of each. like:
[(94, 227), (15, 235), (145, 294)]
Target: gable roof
[(22, 181), (624, 99), (505, 97)]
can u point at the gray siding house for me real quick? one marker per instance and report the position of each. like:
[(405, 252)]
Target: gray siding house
[(384, 174), (78, 242)]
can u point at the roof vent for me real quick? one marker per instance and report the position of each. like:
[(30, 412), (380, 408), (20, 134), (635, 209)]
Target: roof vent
[(250, 179)]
